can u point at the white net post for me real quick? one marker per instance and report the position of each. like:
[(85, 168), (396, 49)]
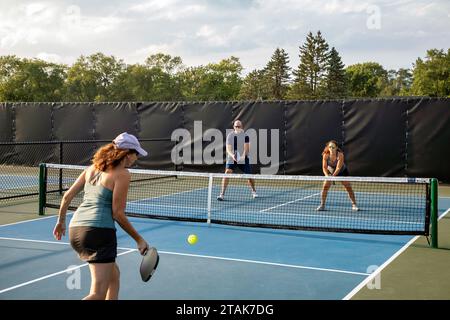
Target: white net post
[(210, 185)]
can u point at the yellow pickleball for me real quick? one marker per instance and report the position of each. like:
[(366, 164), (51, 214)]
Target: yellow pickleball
[(192, 239)]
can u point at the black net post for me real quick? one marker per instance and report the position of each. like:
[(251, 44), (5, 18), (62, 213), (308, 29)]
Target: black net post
[(42, 188), (434, 213), (61, 161)]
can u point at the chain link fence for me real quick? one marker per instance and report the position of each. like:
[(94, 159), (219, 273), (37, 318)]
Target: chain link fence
[(19, 162)]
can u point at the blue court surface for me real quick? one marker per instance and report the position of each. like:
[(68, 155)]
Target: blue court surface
[(16, 182), (11, 182), (227, 262)]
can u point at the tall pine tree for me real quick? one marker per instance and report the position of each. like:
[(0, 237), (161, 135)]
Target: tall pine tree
[(254, 86), (336, 80), (310, 76), (277, 74)]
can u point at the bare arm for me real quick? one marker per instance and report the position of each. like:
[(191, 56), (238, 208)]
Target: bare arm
[(60, 227), (246, 149), (230, 151), (325, 165), (340, 164), (76, 187), (118, 208)]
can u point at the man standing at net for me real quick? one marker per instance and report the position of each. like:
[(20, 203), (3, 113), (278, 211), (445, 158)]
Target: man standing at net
[(238, 148)]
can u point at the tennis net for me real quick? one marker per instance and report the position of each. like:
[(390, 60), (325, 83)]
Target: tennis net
[(386, 205)]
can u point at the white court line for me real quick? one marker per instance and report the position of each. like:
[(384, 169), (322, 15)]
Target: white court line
[(265, 263), (137, 204), (172, 253), (23, 284), (384, 265), (166, 195), (24, 221), (286, 203)]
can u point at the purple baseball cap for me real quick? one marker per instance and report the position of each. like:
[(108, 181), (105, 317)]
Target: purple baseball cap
[(128, 141)]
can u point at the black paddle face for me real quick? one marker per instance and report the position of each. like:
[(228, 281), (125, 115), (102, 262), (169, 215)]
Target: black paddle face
[(149, 263)]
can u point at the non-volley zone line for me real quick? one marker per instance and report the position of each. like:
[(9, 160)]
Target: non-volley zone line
[(290, 202), (167, 195), (129, 250)]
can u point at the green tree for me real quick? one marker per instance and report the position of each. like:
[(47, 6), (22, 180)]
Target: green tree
[(431, 77), (403, 82), (30, 80), (134, 84), (167, 63), (142, 83), (336, 79), (255, 86), (156, 80), (310, 76), (91, 78), (215, 81), (399, 83), (277, 74), (367, 79)]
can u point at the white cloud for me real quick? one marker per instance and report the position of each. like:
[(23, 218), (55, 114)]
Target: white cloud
[(420, 10), (215, 38), (171, 10), (155, 48), (50, 57), (205, 31), (153, 5), (43, 23), (25, 23), (139, 55)]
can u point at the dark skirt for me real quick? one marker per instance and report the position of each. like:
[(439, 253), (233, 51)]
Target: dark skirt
[(343, 173), (94, 245)]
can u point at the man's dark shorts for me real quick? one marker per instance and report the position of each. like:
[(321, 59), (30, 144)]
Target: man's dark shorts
[(244, 167)]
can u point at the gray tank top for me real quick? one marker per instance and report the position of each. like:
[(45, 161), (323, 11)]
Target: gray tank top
[(96, 208)]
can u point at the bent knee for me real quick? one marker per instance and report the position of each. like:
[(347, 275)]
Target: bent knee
[(327, 185)]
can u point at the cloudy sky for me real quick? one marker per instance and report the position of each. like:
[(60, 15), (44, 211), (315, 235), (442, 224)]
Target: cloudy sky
[(391, 32)]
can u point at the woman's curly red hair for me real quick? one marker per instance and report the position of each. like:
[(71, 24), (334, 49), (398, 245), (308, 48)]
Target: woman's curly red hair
[(109, 157)]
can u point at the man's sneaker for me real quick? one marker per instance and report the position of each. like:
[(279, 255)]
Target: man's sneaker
[(220, 197), (355, 208), (254, 195), (320, 208)]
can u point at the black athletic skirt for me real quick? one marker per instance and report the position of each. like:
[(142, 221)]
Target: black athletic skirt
[(343, 173), (94, 245)]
